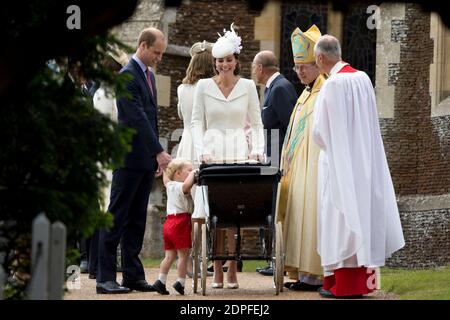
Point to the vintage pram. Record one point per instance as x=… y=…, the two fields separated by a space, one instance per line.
x=241 y=196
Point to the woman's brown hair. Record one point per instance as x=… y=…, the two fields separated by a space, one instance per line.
x=201 y=66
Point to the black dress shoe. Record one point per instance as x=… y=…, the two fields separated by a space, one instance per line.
x=260 y=268
x=92 y=275
x=288 y=285
x=268 y=271
x=302 y=286
x=326 y=293
x=110 y=287
x=160 y=287
x=179 y=287
x=140 y=285
x=84 y=267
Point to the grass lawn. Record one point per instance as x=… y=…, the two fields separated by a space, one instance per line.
x=423 y=284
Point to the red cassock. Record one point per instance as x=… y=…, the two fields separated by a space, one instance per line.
x=350 y=281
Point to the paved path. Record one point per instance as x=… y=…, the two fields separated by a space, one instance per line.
x=253 y=286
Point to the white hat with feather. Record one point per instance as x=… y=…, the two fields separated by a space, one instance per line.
x=228 y=44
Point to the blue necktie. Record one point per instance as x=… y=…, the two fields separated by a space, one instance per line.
x=266 y=93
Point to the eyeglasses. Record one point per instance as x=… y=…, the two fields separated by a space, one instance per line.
x=301 y=67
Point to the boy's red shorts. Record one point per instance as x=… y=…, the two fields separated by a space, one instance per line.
x=177 y=232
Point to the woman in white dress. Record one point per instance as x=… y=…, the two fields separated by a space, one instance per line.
x=200 y=67
x=222 y=105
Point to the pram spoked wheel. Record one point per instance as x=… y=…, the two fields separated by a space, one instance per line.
x=204 y=266
x=199 y=254
x=196 y=247
x=278 y=259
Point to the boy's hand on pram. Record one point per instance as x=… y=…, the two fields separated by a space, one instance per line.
x=195 y=173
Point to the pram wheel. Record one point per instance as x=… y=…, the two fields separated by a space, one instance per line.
x=204 y=266
x=278 y=272
x=196 y=245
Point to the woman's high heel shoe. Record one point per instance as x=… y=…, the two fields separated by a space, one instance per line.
x=217 y=285
x=232 y=285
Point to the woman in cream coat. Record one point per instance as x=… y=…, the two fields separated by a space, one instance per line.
x=220 y=110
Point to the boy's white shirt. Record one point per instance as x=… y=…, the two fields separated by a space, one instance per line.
x=177 y=201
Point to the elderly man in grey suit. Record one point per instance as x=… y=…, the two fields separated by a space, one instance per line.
x=279 y=101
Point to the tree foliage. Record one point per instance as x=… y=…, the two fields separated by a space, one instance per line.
x=54 y=147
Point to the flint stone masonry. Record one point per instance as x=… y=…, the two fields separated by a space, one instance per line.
x=416 y=144
x=148 y=14
x=417 y=147
x=393 y=69
x=427 y=235
x=399 y=30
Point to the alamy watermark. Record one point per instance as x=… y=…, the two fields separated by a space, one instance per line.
x=73 y=282
x=373 y=278
x=374 y=20
x=74 y=19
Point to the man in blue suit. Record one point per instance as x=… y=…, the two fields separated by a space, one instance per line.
x=279 y=101
x=132 y=183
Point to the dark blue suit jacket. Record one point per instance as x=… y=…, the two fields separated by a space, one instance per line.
x=140 y=113
x=277 y=109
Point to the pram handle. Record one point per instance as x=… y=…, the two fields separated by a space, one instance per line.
x=241 y=170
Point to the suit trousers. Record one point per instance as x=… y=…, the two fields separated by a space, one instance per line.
x=93 y=253
x=130 y=192
x=85 y=244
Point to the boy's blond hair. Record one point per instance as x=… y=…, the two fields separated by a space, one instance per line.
x=174 y=165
